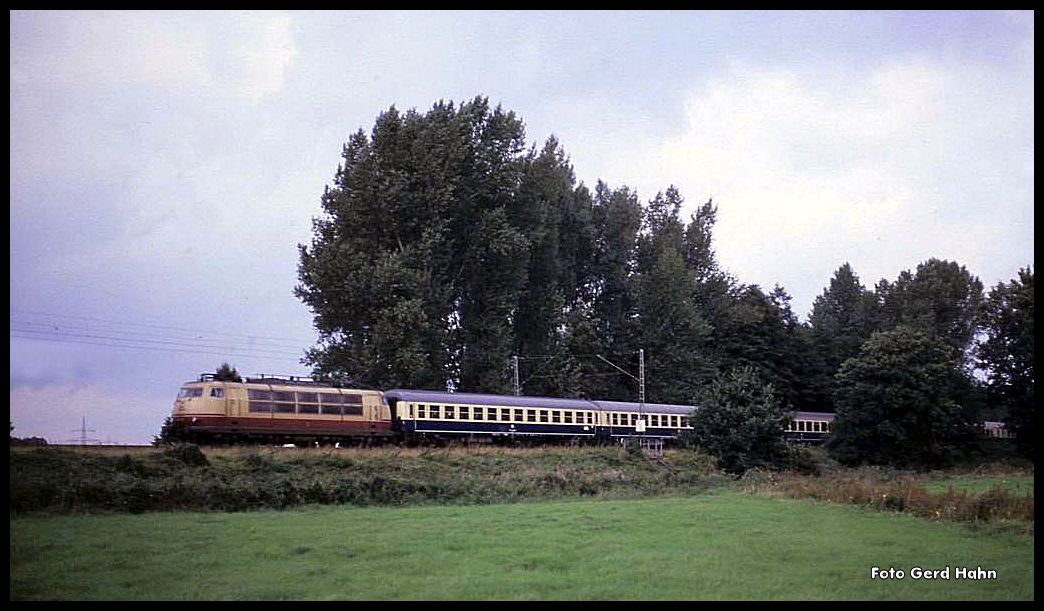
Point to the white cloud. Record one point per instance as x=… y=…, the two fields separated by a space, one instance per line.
x=249 y=53
x=880 y=170
x=244 y=54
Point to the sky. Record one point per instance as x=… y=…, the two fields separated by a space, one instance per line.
x=165 y=166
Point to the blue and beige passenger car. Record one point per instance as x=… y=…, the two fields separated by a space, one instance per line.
x=810 y=426
x=437 y=414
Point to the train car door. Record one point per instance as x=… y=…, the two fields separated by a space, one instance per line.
x=235 y=405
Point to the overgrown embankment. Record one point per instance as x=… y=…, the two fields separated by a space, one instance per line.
x=183 y=478
x=972 y=498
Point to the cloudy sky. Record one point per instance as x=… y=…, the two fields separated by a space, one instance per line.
x=165 y=165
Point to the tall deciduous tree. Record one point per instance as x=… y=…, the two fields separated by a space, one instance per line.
x=756 y=331
x=494 y=275
x=671 y=331
x=400 y=270
x=842 y=318
x=1006 y=354
x=616 y=221
x=941 y=298
x=543 y=209
x=900 y=402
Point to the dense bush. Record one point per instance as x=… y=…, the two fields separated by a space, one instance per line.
x=741 y=422
x=903 y=402
x=182 y=477
x=188 y=453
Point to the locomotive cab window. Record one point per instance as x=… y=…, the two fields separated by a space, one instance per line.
x=217 y=393
x=188 y=393
x=352 y=405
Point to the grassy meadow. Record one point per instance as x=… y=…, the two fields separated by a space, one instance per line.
x=499 y=524
x=714 y=546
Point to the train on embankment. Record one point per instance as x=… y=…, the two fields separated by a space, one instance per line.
x=305 y=412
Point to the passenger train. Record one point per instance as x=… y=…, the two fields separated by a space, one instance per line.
x=294 y=410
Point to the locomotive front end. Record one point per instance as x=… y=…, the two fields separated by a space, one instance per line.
x=200 y=408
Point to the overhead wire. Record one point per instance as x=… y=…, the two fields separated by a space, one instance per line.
x=32 y=313
x=208 y=351
x=33 y=325
x=186 y=342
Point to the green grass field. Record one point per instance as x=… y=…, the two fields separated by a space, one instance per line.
x=726 y=545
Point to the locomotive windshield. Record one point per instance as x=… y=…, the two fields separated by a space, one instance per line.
x=188 y=393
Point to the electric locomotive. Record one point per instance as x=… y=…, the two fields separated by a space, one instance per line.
x=270 y=409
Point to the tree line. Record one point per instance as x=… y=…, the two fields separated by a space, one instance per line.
x=447 y=246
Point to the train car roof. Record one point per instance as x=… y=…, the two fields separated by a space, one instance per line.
x=287 y=385
x=436 y=396
x=626 y=406
x=814 y=416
